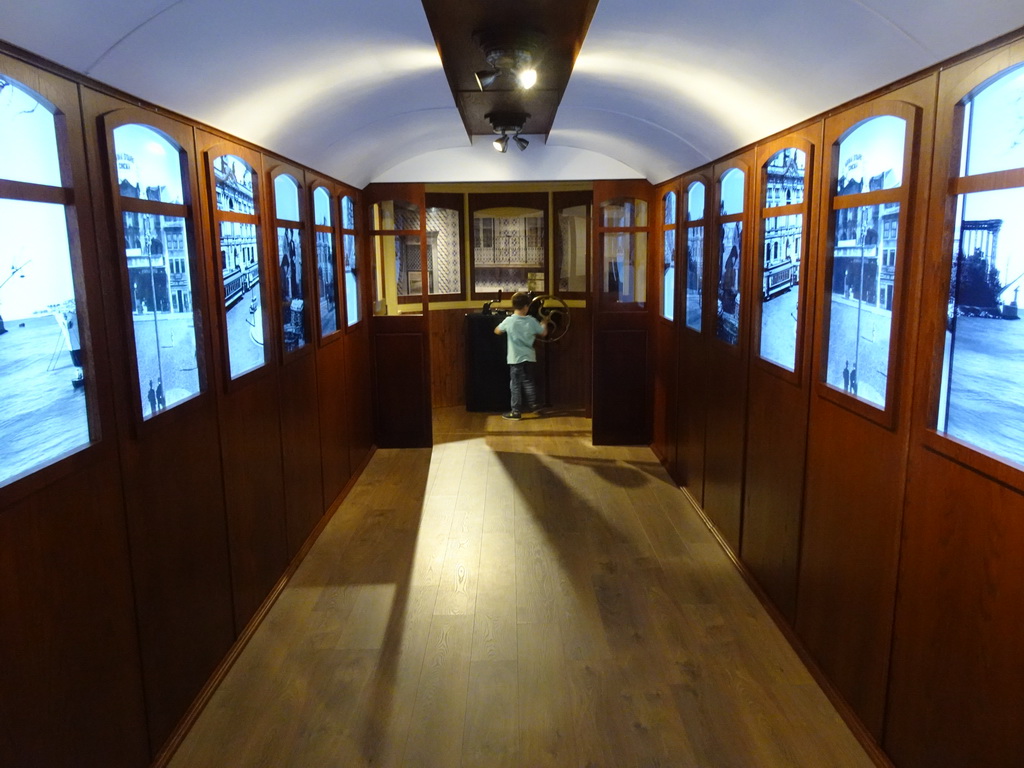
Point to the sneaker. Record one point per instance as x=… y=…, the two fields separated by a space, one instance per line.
x=512 y=416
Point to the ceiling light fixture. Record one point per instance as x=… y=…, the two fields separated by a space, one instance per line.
x=507 y=123
x=510 y=56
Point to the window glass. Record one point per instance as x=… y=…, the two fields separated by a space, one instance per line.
x=727 y=325
x=625 y=267
x=348 y=213
x=408 y=273
x=509 y=250
x=148 y=165
x=28 y=137
x=234 y=185
x=863 y=288
x=241 y=269
x=994 y=126
x=396 y=215
x=444 y=251
x=732 y=192
x=321 y=207
x=159 y=270
x=327 y=285
x=286 y=198
x=624 y=212
x=668 y=261
x=43 y=409
x=293 y=315
x=871 y=156
x=694 y=276
x=352 y=294
x=780 y=294
x=574 y=241
x=695 y=201
x=785 y=178
x=981 y=398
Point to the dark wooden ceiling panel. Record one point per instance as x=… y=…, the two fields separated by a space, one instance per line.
x=459 y=25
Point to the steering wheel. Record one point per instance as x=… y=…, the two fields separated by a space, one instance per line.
x=557 y=313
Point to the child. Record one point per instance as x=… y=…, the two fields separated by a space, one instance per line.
x=521 y=329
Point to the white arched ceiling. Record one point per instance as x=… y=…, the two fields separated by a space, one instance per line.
x=356 y=89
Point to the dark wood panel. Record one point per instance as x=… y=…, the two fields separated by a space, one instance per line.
x=254 y=492
x=180 y=564
x=448 y=357
x=171 y=469
x=664 y=401
x=773 y=497
x=621 y=397
x=857 y=460
x=400 y=364
x=568 y=362
x=691 y=406
x=359 y=378
x=335 y=421
x=955 y=695
x=300 y=446
x=725 y=441
x=72 y=678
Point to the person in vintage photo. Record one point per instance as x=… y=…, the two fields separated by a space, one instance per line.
x=521 y=330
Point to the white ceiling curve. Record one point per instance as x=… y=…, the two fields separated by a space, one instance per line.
x=356 y=90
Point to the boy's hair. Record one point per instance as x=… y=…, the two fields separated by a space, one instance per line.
x=520 y=300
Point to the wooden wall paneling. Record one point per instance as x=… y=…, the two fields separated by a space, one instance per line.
x=359 y=385
x=72 y=685
x=299 y=398
x=72 y=691
x=621 y=366
x=779 y=400
x=400 y=347
x=332 y=391
x=250 y=429
x=727 y=373
x=691 y=372
x=664 y=334
x=171 y=474
x=568 y=361
x=448 y=357
x=956 y=677
x=857 y=455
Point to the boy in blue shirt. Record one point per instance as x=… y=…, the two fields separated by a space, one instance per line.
x=522 y=330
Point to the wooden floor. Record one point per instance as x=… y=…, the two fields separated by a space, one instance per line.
x=517 y=597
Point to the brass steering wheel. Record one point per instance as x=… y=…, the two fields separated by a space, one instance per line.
x=557 y=313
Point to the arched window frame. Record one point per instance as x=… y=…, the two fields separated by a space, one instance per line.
x=720 y=220
x=349 y=244
x=693 y=229
x=956 y=88
x=304 y=345
x=258 y=289
x=179 y=136
x=669 y=199
x=329 y=229
x=832 y=204
x=769 y=208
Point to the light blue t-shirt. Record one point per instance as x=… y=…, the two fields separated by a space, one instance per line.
x=521 y=331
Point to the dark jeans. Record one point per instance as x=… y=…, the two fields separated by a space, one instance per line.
x=521 y=383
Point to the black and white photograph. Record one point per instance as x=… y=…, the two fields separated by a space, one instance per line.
x=328 y=283
x=694 y=276
x=864 y=258
x=352 y=295
x=241 y=269
x=293 y=314
x=780 y=258
x=981 y=400
x=668 y=258
x=727 y=325
x=159 y=270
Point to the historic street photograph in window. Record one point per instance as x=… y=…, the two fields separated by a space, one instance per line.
x=159 y=270
x=695 y=199
x=241 y=271
x=43 y=414
x=982 y=395
x=780 y=259
x=293 y=315
x=727 y=326
x=864 y=258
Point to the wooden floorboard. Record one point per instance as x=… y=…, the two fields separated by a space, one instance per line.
x=517 y=597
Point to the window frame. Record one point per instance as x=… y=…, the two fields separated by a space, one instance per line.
x=955 y=88
x=302 y=225
x=661 y=193
x=764 y=212
x=360 y=261
x=454 y=202
x=709 y=322
x=830 y=204
x=686 y=183
x=487 y=200
x=333 y=229
x=182 y=136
